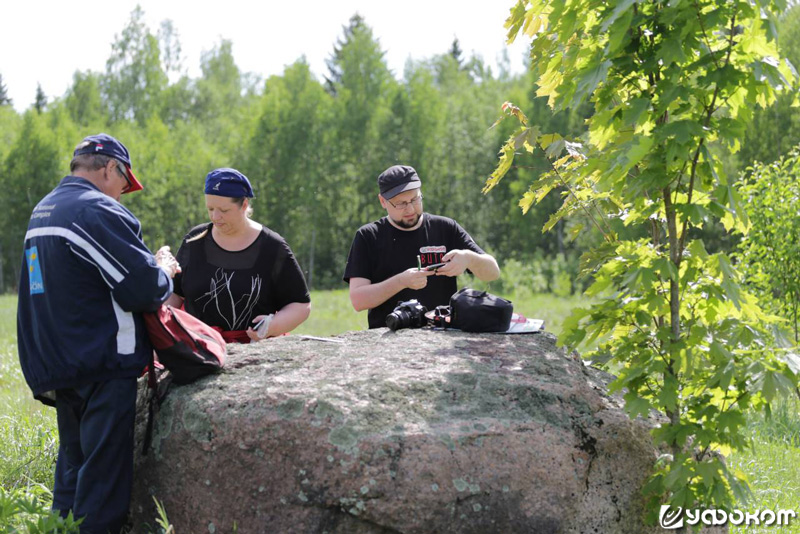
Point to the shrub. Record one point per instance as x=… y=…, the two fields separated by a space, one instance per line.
x=770 y=251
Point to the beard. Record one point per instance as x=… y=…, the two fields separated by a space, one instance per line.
x=403 y=224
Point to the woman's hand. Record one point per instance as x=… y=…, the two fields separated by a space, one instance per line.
x=260 y=328
x=284 y=320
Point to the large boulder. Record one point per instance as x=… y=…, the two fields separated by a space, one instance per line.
x=415 y=431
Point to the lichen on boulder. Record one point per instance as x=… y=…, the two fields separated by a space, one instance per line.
x=413 y=431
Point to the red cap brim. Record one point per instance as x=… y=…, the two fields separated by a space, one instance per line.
x=135 y=184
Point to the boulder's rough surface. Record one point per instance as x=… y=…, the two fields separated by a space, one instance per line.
x=417 y=431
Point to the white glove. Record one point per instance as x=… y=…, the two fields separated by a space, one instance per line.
x=262 y=327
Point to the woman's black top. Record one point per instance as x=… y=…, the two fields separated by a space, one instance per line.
x=228 y=289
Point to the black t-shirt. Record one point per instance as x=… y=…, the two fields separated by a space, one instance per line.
x=380 y=251
x=228 y=289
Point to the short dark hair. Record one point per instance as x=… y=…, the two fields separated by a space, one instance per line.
x=90 y=162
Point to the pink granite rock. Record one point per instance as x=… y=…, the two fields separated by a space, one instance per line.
x=416 y=431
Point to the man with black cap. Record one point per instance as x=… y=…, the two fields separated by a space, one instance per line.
x=86 y=276
x=388 y=257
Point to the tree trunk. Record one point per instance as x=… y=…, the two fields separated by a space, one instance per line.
x=674 y=299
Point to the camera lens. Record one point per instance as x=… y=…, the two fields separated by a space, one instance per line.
x=398 y=319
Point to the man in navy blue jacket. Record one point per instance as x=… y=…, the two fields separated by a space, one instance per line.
x=86 y=277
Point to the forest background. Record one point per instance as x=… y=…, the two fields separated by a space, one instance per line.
x=313 y=147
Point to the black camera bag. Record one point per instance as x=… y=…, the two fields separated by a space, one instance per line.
x=479 y=311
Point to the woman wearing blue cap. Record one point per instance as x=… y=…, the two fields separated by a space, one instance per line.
x=238 y=275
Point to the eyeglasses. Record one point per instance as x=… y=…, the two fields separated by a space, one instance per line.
x=403 y=205
x=121 y=170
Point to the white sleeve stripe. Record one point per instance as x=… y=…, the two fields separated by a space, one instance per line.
x=126 y=330
x=138 y=233
x=100 y=247
x=89 y=261
x=102 y=263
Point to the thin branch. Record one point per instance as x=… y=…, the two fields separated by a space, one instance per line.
x=648 y=338
x=650 y=389
x=685 y=230
x=531 y=167
x=565 y=184
x=709 y=114
x=705 y=36
x=723 y=410
x=678 y=184
x=597 y=209
x=703 y=454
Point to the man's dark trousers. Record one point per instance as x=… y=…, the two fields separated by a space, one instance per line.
x=94 y=471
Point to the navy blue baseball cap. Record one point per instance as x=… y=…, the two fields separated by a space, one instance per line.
x=108 y=146
x=398 y=179
x=227 y=182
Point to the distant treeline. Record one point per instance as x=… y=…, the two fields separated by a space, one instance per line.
x=312 y=148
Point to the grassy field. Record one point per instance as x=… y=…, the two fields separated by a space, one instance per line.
x=27 y=429
x=771 y=465
x=332 y=313
x=28 y=437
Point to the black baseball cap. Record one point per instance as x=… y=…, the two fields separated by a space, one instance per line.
x=398 y=179
x=108 y=146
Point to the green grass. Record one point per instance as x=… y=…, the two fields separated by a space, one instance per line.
x=772 y=471
x=332 y=313
x=28 y=437
x=771 y=465
x=14 y=394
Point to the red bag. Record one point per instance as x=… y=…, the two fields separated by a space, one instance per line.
x=185 y=345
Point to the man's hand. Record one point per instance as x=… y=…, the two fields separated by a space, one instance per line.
x=457 y=261
x=167 y=261
x=415 y=279
x=364 y=295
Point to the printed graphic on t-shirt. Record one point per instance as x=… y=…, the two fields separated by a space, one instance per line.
x=430 y=255
x=235 y=313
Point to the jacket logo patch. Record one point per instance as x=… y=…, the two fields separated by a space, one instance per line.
x=34 y=271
